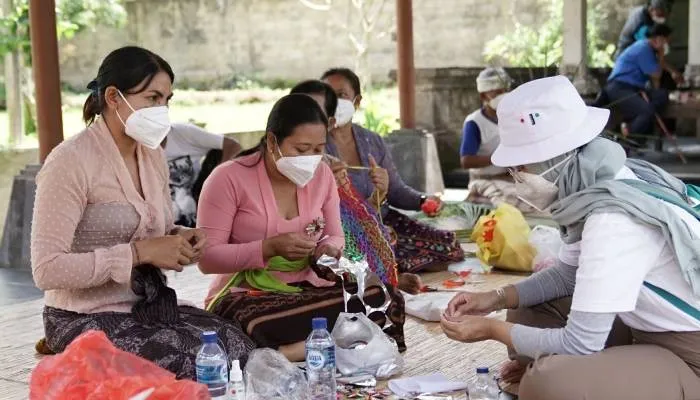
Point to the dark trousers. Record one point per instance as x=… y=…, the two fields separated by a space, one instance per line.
x=636 y=111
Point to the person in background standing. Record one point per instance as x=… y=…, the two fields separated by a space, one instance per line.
x=640 y=20
x=192 y=154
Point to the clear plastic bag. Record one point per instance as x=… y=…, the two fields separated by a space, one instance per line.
x=547 y=242
x=362 y=348
x=270 y=376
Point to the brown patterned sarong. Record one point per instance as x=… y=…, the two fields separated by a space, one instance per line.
x=171 y=346
x=419 y=246
x=276 y=319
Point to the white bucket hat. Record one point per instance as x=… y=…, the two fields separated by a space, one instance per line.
x=543 y=119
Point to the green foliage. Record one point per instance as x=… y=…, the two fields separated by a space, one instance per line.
x=72 y=17
x=378 y=122
x=542 y=46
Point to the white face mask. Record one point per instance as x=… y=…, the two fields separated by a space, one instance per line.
x=667 y=49
x=658 y=20
x=148 y=126
x=536 y=191
x=344 y=112
x=493 y=103
x=299 y=169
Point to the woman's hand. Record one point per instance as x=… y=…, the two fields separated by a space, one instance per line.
x=292 y=246
x=469 y=304
x=379 y=176
x=197 y=238
x=167 y=252
x=340 y=171
x=469 y=329
x=328 y=250
x=435 y=206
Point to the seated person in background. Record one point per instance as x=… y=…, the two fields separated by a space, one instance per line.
x=418 y=246
x=269 y=215
x=185 y=147
x=103 y=231
x=639 y=64
x=360 y=220
x=487 y=183
x=640 y=20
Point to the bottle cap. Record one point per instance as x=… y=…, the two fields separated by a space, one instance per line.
x=236 y=373
x=209 y=337
x=319 y=323
x=482 y=370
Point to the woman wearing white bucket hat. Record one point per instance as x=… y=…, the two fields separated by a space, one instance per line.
x=629 y=271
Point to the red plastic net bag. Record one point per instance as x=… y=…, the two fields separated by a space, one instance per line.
x=92 y=368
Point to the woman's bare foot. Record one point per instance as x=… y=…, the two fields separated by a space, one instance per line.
x=410 y=283
x=294 y=352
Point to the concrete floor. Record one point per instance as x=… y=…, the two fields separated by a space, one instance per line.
x=17 y=286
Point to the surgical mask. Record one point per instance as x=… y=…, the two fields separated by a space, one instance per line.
x=493 y=103
x=299 y=169
x=344 y=112
x=536 y=191
x=658 y=20
x=667 y=49
x=148 y=126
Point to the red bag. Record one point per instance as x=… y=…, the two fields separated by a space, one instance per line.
x=92 y=368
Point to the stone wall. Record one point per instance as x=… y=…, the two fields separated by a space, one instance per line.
x=210 y=42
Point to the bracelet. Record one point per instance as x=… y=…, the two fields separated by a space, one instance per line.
x=502 y=301
x=135 y=251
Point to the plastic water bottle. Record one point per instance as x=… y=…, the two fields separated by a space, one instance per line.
x=484 y=388
x=212 y=365
x=320 y=361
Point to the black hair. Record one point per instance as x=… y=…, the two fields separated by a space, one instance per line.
x=287 y=114
x=662 y=30
x=124 y=68
x=348 y=75
x=314 y=86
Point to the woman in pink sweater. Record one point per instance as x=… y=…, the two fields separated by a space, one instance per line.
x=269 y=215
x=103 y=226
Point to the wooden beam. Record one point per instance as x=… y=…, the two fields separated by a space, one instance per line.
x=406 y=72
x=42 y=22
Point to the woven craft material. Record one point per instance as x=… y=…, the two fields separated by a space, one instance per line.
x=365 y=236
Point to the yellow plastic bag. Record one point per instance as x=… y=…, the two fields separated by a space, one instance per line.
x=502 y=237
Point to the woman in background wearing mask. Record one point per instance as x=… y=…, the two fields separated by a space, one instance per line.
x=103 y=228
x=418 y=246
x=488 y=183
x=619 y=316
x=269 y=215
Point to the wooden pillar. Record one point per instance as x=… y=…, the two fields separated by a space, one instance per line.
x=406 y=72
x=42 y=22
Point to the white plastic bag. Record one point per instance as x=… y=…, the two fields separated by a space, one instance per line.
x=547 y=242
x=362 y=348
x=428 y=306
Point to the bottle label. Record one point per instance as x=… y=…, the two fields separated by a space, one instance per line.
x=318 y=359
x=214 y=376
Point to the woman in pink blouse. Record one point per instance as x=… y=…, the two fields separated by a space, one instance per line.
x=103 y=227
x=268 y=215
